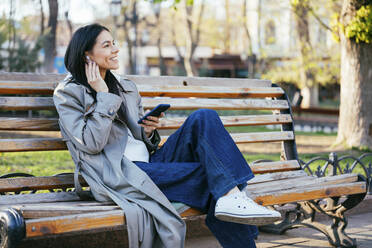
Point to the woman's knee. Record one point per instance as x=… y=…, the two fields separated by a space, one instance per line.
x=205 y=114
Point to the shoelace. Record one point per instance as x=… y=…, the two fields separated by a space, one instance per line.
x=245 y=197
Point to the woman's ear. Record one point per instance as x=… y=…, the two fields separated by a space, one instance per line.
x=87 y=58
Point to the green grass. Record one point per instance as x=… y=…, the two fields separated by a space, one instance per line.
x=36 y=163
x=55 y=162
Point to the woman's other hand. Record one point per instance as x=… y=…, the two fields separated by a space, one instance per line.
x=94 y=77
x=151 y=123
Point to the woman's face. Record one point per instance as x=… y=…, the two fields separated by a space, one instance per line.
x=105 y=52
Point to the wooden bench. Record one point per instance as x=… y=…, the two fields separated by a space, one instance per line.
x=40 y=219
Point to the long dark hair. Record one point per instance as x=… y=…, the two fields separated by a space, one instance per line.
x=82 y=41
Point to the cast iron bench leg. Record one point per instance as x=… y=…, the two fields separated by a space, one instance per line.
x=12 y=228
x=304 y=216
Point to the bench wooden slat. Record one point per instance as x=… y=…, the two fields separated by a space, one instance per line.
x=32 y=144
x=59 y=209
x=50 y=144
x=241 y=138
x=7 y=200
x=277 y=166
x=229 y=121
x=222 y=104
x=206 y=92
x=38 y=183
x=301 y=182
x=268 y=177
x=198 y=81
x=154 y=91
x=24 y=90
x=39 y=103
x=140 y=79
x=71 y=223
x=310 y=193
x=51 y=124
x=26 y=103
x=29 y=124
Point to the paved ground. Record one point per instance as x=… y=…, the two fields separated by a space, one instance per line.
x=360 y=227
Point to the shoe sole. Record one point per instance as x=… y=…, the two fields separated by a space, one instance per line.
x=256 y=220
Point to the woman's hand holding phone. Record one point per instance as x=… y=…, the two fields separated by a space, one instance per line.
x=151 y=123
x=94 y=77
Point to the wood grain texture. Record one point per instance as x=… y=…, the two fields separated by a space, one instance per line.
x=38 y=183
x=51 y=124
x=42 y=103
x=276 y=176
x=9 y=87
x=139 y=79
x=222 y=104
x=29 y=124
x=8 y=200
x=208 y=91
x=50 y=144
x=309 y=193
x=26 y=103
x=269 y=167
x=301 y=182
x=32 y=144
x=198 y=81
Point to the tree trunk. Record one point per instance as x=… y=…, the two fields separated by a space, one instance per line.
x=41 y=18
x=251 y=59
x=310 y=96
x=192 y=37
x=227 y=38
x=69 y=24
x=355 y=121
x=162 y=66
x=181 y=60
x=50 y=41
x=307 y=83
x=189 y=40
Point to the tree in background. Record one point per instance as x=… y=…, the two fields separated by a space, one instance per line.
x=315 y=65
x=355 y=121
x=50 y=38
x=308 y=85
x=251 y=58
x=192 y=35
x=20 y=55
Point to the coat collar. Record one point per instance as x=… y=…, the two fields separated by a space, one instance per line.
x=123 y=83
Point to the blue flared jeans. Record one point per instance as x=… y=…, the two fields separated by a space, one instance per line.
x=199 y=163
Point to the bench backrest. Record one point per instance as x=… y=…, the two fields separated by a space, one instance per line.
x=22 y=92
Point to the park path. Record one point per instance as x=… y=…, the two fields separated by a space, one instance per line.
x=360 y=227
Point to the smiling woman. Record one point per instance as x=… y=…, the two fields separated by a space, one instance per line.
x=120 y=160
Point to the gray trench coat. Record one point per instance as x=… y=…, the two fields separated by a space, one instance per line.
x=96 y=139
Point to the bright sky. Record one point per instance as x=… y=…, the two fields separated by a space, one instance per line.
x=81 y=11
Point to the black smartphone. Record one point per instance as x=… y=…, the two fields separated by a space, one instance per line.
x=155 y=112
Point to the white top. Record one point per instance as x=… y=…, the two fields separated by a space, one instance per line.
x=136 y=149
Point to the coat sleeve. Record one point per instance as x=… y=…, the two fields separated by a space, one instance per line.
x=152 y=143
x=88 y=130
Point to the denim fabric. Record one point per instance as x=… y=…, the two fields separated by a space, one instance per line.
x=198 y=164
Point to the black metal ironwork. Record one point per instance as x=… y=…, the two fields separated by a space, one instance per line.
x=303 y=215
x=12 y=228
x=332 y=166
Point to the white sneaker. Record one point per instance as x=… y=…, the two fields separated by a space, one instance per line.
x=239 y=208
